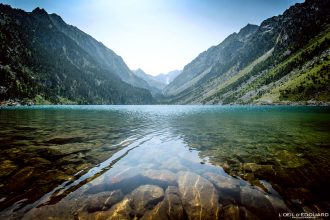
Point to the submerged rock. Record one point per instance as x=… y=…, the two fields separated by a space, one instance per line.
x=97 y=181
x=120 y=211
x=228 y=187
x=57 y=175
x=222 y=182
x=161 y=175
x=135 y=205
x=65 y=209
x=37 y=161
x=257 y=202
x=253 y=173
x=253 y=167
x=145 y=197
x=65 y=140
x=7 y=167
x=174 y=165
x=300 y=195
x=198 y=196
x=102 y=201
x=126 y=173
x=235 y=212
x=20 y=179
x=169 y=209
x=130 y=178
x=120 y=180
x=89 y=207
x=289 y=159
x=278 y=204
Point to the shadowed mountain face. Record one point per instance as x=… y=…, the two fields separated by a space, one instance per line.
x=286 y=58
x=159 y=82
x=106 y=57
x=156 y=86
x=45 y=60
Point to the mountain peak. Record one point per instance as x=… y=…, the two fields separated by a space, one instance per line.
x=39 y=11
x=248 y=30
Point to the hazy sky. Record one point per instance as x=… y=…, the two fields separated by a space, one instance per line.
x=159 y=35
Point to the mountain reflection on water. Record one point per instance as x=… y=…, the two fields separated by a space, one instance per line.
x=163 y=162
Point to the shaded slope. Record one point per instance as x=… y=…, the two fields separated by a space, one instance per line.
x=103 y=55
x=38 y=61
x=155 y=86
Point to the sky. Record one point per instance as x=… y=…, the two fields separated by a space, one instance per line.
x=159 y=35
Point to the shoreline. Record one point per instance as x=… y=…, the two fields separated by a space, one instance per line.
x=16 y=103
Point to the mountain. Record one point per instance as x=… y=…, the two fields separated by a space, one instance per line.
x=284 y=60
x=225 y=53
x=106 y=57
x=167 y=78
x=44 y=60
x=155 y=86
x=157 y=83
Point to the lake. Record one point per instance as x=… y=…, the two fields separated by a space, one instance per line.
x=163 y=162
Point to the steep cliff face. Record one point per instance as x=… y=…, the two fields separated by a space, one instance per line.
x=103 y=55
x=44 y=60
x=167 y=78
x=156 y=87
x=157 y=83
x=249 y=66
x=218 y=55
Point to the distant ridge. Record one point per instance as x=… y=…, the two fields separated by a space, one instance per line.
x=167 y=78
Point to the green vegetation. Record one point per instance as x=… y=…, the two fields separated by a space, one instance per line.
x=313 y=84
x=241 y=70
x=293 y=62
x=39 y=100
x=271 y=70
x=41 y=64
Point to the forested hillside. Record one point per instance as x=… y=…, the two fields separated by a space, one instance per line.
x=39 y=63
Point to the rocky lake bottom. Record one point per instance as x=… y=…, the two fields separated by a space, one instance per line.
x=163 y=162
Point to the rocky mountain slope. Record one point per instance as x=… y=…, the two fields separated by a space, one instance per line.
x=285 y=59
x=106 y=57
x=155 y=86
x=157 y=83
x=167 y=78
x=44 y=60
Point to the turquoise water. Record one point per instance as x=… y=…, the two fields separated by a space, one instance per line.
x=127 y=162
